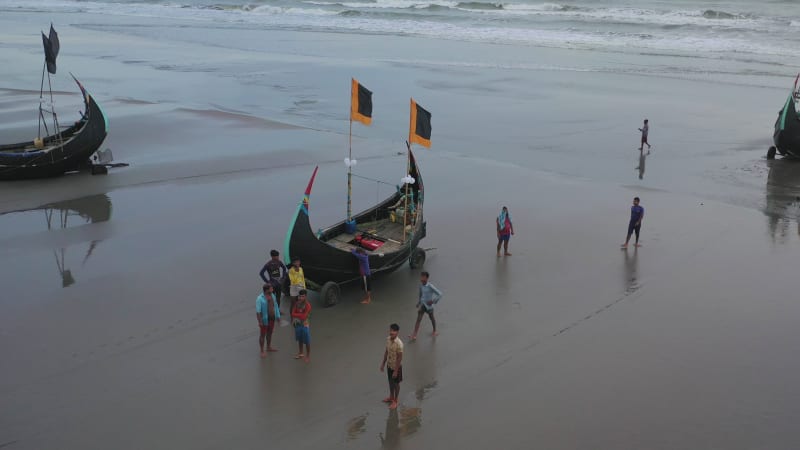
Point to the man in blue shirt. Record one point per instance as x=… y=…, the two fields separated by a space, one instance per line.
x=429 y=296
x=635 y=224
x=363 y=268
x=267 y=312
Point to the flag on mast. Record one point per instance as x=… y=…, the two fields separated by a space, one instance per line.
x=51 y=48
x=360 y=103
x=420 y=129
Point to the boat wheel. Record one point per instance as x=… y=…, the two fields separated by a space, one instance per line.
x=417 y=258
x=771 y=152
x=330 y=293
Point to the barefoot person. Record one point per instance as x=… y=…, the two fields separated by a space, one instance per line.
x=635 y=224
x=645 y=130
x=363 y=267
x=429 y=296
x=505 y=229
x=275 y=273
x=267 y=312
x=297 y=280
x=393 y=361
x=302 y=333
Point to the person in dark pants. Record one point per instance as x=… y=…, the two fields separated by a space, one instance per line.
x=274 y=272
x=393 y=361
x=645 y=131
x=366 y=273
x=635 y=224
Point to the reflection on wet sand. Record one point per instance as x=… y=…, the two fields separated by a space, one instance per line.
x=356 y=427
x=783 y=200
x=642 y=160
x=92 y=209
x=631 y=283
x=400 y=423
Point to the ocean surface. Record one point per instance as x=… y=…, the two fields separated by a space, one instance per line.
x=765 y=31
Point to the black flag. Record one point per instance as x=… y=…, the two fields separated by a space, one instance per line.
x=51 y=48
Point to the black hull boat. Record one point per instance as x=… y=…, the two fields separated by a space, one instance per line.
x=326 y=255
x=53 y=155
x=786 y=138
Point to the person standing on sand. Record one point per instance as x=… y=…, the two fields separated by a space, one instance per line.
x=297 y=280
x=301 y=311
x=635 y=224
x=363 y=267
x=393 y=361
x=429 y=296
x=267 y=312
x=645 y=130
x=505 y=229
x=277 y=272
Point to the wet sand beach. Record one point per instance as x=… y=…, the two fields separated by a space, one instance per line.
x=127 y=300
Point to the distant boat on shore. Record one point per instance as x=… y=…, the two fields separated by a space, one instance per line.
x=787 y=128
x=59 y=151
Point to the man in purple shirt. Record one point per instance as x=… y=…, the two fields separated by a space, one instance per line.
x=635 y=224
x=363 y=267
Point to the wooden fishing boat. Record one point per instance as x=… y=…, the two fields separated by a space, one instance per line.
x=787 y=127
x=60 y=152
x=396 y=226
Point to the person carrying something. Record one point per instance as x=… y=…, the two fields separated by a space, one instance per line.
x=505 y=229
x=267 y=312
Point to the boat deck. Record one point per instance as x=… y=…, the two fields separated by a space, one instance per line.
x=385 y=230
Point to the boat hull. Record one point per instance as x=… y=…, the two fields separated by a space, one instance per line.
x=787 y=130
x=71 y=151
x=323 y=262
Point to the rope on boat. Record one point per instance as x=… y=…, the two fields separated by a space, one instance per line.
x=375 y=180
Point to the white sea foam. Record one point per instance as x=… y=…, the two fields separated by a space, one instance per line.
x=587 y=27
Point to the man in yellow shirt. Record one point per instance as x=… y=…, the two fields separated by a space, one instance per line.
x=297 y=280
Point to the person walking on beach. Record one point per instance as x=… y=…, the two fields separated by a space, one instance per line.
x=297 y=280
x=505 y=229
x=393 y=361
x=267 y=312
x=301 y=311
x=645 y=130
x=363 y=267
x=635 y=224
x=429 y=296
x=275 y=273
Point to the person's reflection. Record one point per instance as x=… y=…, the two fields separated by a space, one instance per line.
x=631 y=283
x=390 y=438
x=642 y=160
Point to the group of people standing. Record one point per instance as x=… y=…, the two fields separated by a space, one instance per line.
x=278 y=279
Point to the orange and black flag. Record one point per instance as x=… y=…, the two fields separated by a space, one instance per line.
x=360 y=103
x=420 y=129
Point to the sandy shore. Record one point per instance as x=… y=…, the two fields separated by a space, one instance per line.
x=687 y=342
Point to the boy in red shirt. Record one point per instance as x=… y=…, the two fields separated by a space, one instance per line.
x=300 y=313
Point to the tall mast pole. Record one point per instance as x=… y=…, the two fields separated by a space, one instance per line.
x=350 y=172
x=408 y=169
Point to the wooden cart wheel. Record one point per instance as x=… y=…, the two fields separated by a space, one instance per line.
x=417 y=259
x=330 y=293
x=771 y=152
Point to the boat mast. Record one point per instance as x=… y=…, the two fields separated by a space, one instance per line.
x=408 y=169
x=350 y=172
